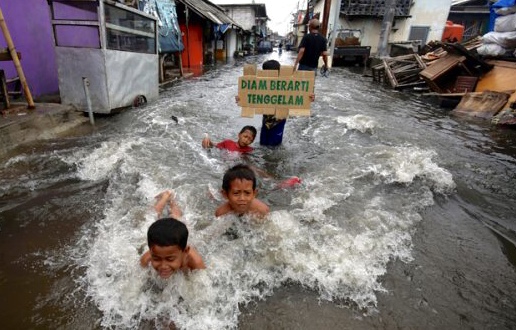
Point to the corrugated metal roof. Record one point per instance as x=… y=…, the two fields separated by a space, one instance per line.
x=209 y=11
x=460 y=2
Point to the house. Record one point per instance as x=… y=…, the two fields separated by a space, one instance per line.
x=33 y=39
x=418 y=21
x=208 y=33
x=251 y=17
x=300 y=27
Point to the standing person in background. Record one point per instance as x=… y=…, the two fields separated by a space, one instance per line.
x=271 y=133
x=312 y=46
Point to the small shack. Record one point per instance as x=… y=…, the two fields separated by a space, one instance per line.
x=111 y=45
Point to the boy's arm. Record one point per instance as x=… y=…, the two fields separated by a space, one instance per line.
x=207 y=143
x=223 y=209
x=145 y=259
x=162 y=200
x=195 y=260
x=259 y=207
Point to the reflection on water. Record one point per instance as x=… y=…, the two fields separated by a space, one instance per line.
x=374 y=163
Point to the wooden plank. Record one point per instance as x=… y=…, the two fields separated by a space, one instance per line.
x=250 y=70
x=299 y=112
x=247 y=112
x=391 y=77
x=282 y=113
x=267 y=73
x=504 y=64
x=485 y=105
x=286 y=70
x=441 y=66
x=5 y=93
x=6 y=56
x=420 y=61
x=498 y=79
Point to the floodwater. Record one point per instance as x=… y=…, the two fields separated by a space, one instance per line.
x=404 y=218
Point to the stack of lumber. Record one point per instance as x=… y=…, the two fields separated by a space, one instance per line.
x=400 y=72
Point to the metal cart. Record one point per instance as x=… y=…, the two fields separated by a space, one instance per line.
x=106 y=53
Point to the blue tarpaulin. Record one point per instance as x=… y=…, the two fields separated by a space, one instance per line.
x=169 y=34
x=497 y=5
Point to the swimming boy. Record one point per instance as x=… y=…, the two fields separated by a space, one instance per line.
x=239 y=189
x=168 y=250
x=243 y=144
x=167 y=239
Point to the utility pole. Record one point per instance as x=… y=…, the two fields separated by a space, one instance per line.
x=325 y=18
x=334 y=32
x=388 y=18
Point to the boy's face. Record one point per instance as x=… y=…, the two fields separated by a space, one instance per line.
x=167 y=259
x=240 y=195
x=245 y=138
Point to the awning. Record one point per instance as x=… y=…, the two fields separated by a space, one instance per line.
x=211 y=12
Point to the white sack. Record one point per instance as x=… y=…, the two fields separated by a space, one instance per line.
x=504 y=39
x=506 y=11
x=505 y=23
x=491 y=50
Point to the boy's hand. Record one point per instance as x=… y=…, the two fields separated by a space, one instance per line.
x=206 y=143
x=237 y=99
x=312 y=97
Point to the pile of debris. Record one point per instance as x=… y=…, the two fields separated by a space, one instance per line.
x=457 y=76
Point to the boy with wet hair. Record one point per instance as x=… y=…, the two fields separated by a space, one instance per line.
x=242 y=145
x=239 y=189
x=168 y=250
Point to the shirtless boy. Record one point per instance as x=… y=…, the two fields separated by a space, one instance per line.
x=239 y=189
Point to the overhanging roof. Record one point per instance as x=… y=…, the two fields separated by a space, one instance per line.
x=210 y=11
x=260 y=10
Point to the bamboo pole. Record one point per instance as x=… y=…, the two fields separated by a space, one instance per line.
x=16 y=61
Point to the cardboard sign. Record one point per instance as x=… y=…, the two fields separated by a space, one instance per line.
x=284 y=93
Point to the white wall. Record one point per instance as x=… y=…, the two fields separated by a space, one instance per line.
x=244 y=16
x=231 y=42
x=424 y=13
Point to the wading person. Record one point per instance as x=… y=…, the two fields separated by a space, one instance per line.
x=312 y=46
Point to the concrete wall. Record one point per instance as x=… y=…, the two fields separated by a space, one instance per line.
x=244 y=16
x=424 y=13
x=231 y=42
x=29 y=24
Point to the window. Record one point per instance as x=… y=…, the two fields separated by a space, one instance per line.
x=419 y=33
x=129 y=31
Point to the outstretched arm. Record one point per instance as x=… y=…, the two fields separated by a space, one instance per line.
x=207 y=143
x=145 y=259
x=325 y=58
x=164 y=198
x=299 y=57
x=195 y=260
x=223 y=209
x=161 y=201
x=259 y=208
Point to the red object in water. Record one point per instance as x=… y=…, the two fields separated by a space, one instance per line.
x=291 y=182
x=453 y=32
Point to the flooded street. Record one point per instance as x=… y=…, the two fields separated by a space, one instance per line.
x=404 y=219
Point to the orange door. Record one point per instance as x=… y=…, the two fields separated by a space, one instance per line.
x=192 y=39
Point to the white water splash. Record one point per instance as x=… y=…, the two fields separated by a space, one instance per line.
x=360 y=123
